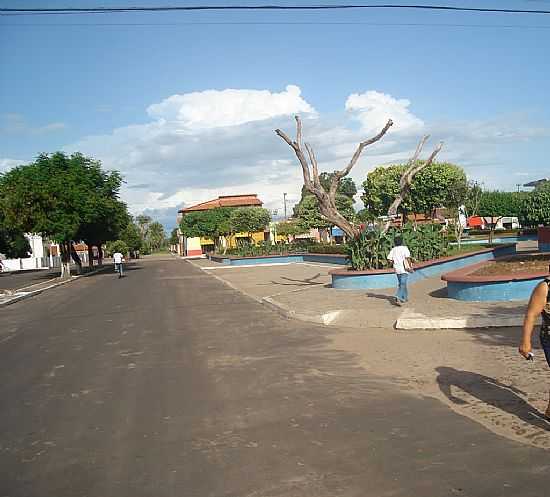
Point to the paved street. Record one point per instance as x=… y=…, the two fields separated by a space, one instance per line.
x=169 y=383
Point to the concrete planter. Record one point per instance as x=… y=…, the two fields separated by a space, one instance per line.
x=279 y=259
x=385 y=278
x=464 y=285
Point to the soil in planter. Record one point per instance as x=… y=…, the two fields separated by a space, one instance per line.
x=516 y=265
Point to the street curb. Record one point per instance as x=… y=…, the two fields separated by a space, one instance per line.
x=22 y=295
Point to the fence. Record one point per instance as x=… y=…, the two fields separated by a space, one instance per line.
x=33 y=263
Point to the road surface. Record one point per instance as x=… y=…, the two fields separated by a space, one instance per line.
x=169 y=383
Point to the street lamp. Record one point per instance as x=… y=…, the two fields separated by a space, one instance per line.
x=284 y=199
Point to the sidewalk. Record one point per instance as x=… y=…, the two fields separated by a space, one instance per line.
x=303 y=291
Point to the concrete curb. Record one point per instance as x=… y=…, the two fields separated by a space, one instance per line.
x=414 y=321
x=19 y=295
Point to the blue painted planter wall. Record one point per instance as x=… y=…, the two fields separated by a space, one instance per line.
x=284 y=259
x=389 y=280
x=493 y=291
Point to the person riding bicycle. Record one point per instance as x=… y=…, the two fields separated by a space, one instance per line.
x=118 y=258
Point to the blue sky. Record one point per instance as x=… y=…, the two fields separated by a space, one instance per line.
x=87 y=82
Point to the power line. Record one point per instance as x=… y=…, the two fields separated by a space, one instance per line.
x=281 y=23
x=105 y=10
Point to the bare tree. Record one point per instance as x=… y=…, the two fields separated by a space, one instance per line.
x=327 y=199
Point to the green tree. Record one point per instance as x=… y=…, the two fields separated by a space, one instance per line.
x=346 y=187
x=58 y=196
x=289 y=228
x=497 y=204
x=13 y=243
x=117 y=246
x=131 y=236
x=211 y=223
x=249 y=220
x=174 y=239
x=432 y=187
x=309 y=215
x=535 y=207
x=156 y=236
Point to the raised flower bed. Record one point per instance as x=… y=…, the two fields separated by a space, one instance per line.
x=504 y=279
x=385 y=278
x=279 y=259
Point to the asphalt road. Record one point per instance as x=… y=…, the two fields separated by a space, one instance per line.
x=168 y=383
x=14 y=280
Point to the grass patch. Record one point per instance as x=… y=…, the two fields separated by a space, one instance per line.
x=466 y=249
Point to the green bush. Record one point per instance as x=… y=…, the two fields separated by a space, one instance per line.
x=371 y=248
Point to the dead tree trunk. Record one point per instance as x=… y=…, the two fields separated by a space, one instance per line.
x=414 y=166
x=312 y=183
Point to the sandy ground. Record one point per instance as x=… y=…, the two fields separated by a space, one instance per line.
x=477 y=373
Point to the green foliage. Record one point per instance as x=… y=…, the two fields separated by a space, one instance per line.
x=371 y=248
x=117 y=246
x=289 y=228
x=174 y=239
x=435 y=186
x=64 y=198
x=156 y=236
x=309 y=216
x=211 y=223
x=13 y=243
x=499 y=204
x=249 y=219
x=346 y=187
x=535 y=208
x=247 y=249
x=131 y=236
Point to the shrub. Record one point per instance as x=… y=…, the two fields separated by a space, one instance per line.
x=370 y=249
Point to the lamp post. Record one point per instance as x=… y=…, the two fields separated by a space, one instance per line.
x=284 y=200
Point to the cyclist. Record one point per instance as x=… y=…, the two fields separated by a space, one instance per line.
x=119 y=259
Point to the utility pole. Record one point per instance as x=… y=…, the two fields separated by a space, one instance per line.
x=284 y=199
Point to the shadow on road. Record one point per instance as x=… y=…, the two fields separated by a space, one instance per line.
x=489 y=391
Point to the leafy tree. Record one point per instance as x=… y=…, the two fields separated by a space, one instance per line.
x=174 y=239
x=497 y=204
x=211 y=223
x=131 y=236
x=432 y=187
x=289 y=228
x=62 y=197
x=249 y=220
x=535 y=207
x=143 y=223
x=346 y=187
x=117 y=246
x=309 y=215
x=156 y=236
x=13 y=243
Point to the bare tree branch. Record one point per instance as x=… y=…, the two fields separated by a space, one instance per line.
x=314 y=167
x=338 y=175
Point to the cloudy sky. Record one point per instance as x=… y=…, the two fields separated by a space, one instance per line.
x=185 y=104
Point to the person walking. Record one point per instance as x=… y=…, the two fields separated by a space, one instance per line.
x=539 y=304
x=400 y=257
x=118 y=258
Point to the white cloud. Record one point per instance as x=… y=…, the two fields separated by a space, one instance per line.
x=213 y=108
x=204 y=144
x=6 y=164
x=373 y=109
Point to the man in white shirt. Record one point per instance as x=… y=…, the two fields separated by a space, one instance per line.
x=400 y=257
x=118 y=258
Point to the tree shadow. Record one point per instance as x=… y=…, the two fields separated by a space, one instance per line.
x=491 y=392
x=299 y=282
